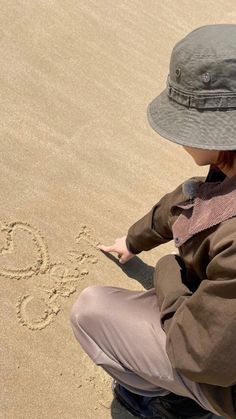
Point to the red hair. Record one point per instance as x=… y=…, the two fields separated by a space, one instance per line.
x=226 y=158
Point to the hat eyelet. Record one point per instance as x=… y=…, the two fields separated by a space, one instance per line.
x=206 y=77
x=178 y=73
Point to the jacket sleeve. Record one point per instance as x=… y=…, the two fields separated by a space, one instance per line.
x=155 y=227
x=200 y=326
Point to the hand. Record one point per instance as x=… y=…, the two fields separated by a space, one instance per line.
x=119 y=247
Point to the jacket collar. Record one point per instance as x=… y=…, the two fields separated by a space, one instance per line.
x=207 y=204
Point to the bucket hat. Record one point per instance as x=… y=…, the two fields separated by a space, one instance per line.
x=198 y=106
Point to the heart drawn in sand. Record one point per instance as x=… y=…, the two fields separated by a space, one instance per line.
x=23 y=252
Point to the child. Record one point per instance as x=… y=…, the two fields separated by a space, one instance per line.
x=171 y=349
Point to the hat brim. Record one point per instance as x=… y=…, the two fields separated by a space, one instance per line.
x=205 y=129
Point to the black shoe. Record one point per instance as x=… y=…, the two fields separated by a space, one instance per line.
x=139 y=406
x=170 y=406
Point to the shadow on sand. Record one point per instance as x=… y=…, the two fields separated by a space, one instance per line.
x=135 y=269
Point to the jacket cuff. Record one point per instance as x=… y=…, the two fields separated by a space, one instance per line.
x=130 y=247
x=142 y=236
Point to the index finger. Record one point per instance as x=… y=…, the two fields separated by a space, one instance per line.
x=107 y=248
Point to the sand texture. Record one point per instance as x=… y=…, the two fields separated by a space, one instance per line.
x=79 y=165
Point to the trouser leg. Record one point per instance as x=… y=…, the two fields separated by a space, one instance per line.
x=120 y=330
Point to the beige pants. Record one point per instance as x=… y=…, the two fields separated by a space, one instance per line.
x=120 y=330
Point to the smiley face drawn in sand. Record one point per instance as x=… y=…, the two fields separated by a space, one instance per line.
x=39 y=308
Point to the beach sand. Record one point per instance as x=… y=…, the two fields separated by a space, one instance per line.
x=79 y=165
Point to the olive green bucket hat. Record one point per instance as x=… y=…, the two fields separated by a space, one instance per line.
x=198 y=106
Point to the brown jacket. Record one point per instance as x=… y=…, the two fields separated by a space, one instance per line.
x=196 y=290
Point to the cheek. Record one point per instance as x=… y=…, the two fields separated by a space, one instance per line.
x=205 y=158
x=201 y=160
x=214 y=157
x=202 y=157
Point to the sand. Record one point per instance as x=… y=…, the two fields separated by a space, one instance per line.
x=79 y=165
